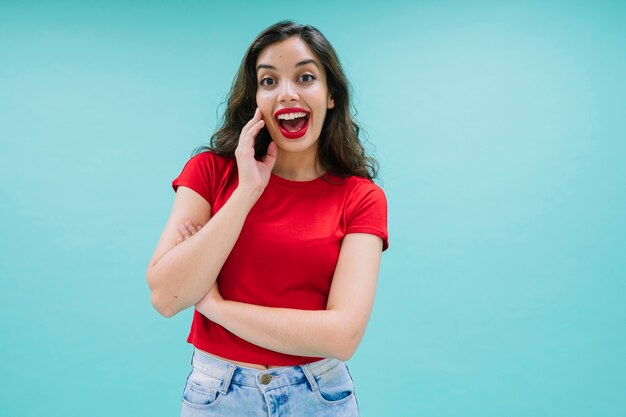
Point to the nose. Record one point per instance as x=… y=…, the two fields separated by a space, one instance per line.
x=288 y=92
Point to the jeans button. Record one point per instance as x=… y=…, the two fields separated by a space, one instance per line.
x=266 y=379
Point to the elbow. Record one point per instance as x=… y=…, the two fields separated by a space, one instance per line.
x=344 y=356
x=165 y=309
x=346 y=351
x=345 y=335
x=346 y=346
x=158 y=299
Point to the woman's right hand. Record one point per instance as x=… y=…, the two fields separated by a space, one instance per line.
x=178 y=277
x=254 y=175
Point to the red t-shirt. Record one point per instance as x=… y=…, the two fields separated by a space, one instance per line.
x=288 y=248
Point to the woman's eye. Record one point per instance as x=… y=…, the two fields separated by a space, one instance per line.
x=266 y=81
x=307 y=78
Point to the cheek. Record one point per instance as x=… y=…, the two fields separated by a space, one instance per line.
x=321 y=96
x=265 y=104
x=321 y=116
x=264 y=99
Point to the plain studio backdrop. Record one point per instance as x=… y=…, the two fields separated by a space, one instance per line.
x=500 y=131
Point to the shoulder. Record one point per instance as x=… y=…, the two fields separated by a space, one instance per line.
x=366 y=208
x=208 y=164
x=210 y=158
x=359 y=188
x=361 y=195
x=204 y=172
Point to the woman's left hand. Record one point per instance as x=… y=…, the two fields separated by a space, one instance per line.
x=209 y=305
x=187 y=230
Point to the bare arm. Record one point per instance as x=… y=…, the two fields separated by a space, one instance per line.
x=179 y=275
x=334 y=332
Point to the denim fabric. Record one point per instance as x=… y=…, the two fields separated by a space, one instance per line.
x=218 y=388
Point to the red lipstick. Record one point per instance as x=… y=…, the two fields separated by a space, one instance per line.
x=302 y=128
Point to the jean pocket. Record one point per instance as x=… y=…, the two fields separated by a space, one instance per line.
x=335 y=386
x=202 y=390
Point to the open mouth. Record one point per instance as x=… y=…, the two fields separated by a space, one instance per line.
x=293 y=123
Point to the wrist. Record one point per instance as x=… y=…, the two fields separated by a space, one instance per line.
x=209 y=307
x=219 y=311
x=247 y=195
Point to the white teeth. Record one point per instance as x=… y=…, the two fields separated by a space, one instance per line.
x=291 y=116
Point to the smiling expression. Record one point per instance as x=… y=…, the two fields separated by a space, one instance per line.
x=292 y=94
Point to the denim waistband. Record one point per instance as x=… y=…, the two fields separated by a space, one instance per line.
x=281 y=376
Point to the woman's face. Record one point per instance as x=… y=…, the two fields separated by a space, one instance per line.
x=292 y=94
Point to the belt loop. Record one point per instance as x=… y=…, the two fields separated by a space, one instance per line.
x=227 y=378
x=309 y=377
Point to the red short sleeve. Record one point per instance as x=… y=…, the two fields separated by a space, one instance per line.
x=368 y=212
x=198 y=174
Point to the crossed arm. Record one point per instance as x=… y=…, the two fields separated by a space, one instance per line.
x=334 y=332
x=179 y=277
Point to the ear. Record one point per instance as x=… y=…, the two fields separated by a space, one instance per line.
x=331 y=102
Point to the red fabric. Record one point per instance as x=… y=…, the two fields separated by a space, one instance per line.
x=286 y=253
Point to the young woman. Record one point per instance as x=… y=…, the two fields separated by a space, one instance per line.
x=275 y=237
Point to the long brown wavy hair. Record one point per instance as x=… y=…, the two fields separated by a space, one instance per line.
x=340 y=149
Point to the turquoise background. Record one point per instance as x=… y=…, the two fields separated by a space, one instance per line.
x=501 y=135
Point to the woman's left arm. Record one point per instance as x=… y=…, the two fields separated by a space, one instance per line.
x=335 y=332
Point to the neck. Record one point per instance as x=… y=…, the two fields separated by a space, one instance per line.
x=297 y=166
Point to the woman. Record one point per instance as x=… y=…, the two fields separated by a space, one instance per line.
x=275 y=237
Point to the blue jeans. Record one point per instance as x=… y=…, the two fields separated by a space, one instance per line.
x=218 y=388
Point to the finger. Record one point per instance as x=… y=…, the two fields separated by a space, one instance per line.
x=255 y=118
x=258 y=126
x=183 y=231
x=245 y=147
x=190 y=226
x=179 y=240
x=252 y=122
x=254 y=131
x=250 y=137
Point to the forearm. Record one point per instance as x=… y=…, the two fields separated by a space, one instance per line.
x=334 y=332
x=184 y=274
x=319 y=333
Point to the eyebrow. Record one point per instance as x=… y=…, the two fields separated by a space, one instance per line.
x=299 y=64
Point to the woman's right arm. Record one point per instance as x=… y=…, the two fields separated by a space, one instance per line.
x=181 y=275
